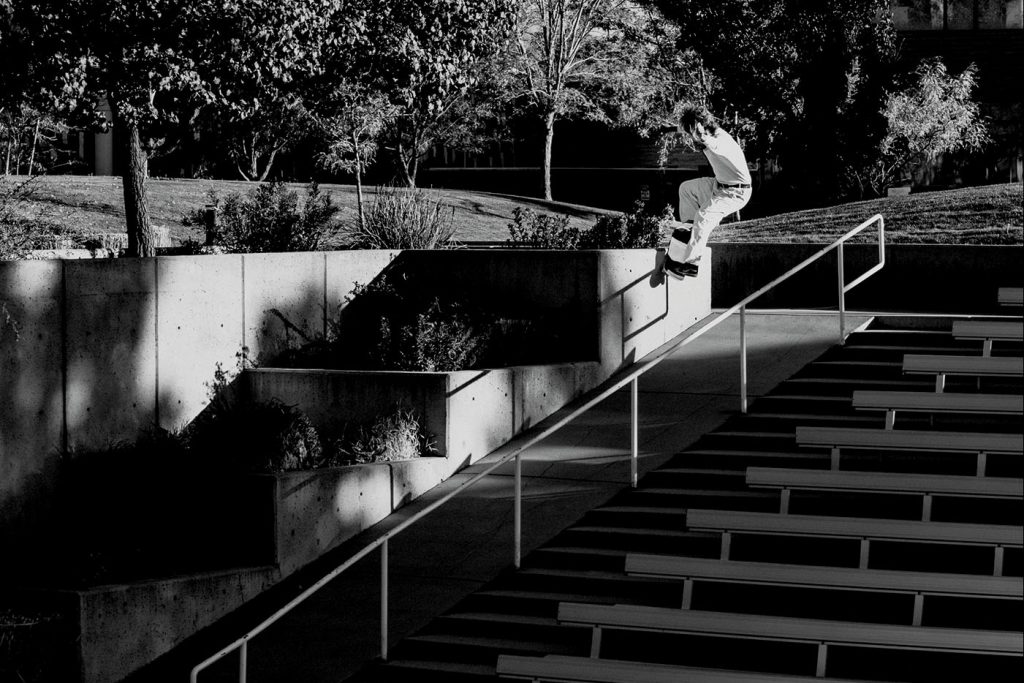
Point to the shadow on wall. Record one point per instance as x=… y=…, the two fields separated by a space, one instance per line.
x=441 y=311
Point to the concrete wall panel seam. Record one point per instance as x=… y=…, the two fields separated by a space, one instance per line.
x=156 y=342
x=63 y=307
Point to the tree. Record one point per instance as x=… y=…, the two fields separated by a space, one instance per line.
x=799 y=70
x=357 y=118
x=254 y=140
x=429 y=57
x=933 y=117
x=24 y=130
x=146 y=57
x=596 y=59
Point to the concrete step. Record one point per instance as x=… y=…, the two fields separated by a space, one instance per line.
x=562 y=554
x=638 y=539
x=845 y=386
x=500 y=624
x=810 y=403
x=671 y=497
x=428 y=671
x=757 y=419
x=603 y=585
x=739 y=459
x=482 y=649
x=536 y=602
x=515 y=614
x=843 y=369
x=856 y=605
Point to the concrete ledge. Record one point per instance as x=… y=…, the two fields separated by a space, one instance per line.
x=123 y=627
x=918 y=278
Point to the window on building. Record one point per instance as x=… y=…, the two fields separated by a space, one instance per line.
x=957 y=15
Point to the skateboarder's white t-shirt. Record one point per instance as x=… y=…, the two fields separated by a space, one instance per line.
x=726 y=159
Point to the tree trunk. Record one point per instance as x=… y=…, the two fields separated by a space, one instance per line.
x=359 y=183
x=32 y=156
x=141 y=241
x=403 y=168
x=549 y=136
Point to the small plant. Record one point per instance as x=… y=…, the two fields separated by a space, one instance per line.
x=638 y=229
x=270 y=218
x=393 y=436
x=393 y=325
x=403 y=218
x=541 y=231
x=440 y=339
x=27 y=640
x=255 y=436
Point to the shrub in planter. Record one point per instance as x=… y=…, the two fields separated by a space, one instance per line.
x=396 y=323
x=118 y=509
x=637 y=229
x=35 y=646
x=255 y=436
x=394 y=436
x=541 y=231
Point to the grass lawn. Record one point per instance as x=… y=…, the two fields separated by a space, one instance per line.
x=990 y=214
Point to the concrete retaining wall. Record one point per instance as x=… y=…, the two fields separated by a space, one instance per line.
x=99 y=350
x=920 y=278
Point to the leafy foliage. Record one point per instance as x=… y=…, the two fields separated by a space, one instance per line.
x=541 y=231
x=403 y=218
x=156 y=62
x=797 y=79
x=256 y=436
x=637 y=229
x=430 y=55
x=604 y=60
x=935 y=116
x=394 y=327
x=270 y=218
x=393 y=436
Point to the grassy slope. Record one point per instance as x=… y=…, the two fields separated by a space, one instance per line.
x=980 y=215
x=95 y=204
x=991 y=214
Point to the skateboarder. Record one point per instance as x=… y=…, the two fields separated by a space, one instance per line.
x=704 y=202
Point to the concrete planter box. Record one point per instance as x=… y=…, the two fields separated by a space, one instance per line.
x=316 y=510
x=468 y=413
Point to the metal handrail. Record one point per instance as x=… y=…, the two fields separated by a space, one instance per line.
x=550 y=425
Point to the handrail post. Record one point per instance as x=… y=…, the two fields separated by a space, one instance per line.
x=243 y=661
x=634 y=430
x=842 y=294
x=517 y=552
x=384 y=600
x=743 y=359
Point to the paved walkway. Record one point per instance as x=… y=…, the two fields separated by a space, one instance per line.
x=469 y=541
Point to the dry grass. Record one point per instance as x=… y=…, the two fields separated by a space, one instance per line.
x=95 y=204
x=989 y=214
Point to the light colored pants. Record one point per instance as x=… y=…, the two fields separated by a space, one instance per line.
x=703 y=203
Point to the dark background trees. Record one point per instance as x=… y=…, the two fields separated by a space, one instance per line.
x=804 y=76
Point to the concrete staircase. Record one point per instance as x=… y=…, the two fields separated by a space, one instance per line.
x=517 y=614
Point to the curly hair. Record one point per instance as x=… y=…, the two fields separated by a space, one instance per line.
x=693 y=114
